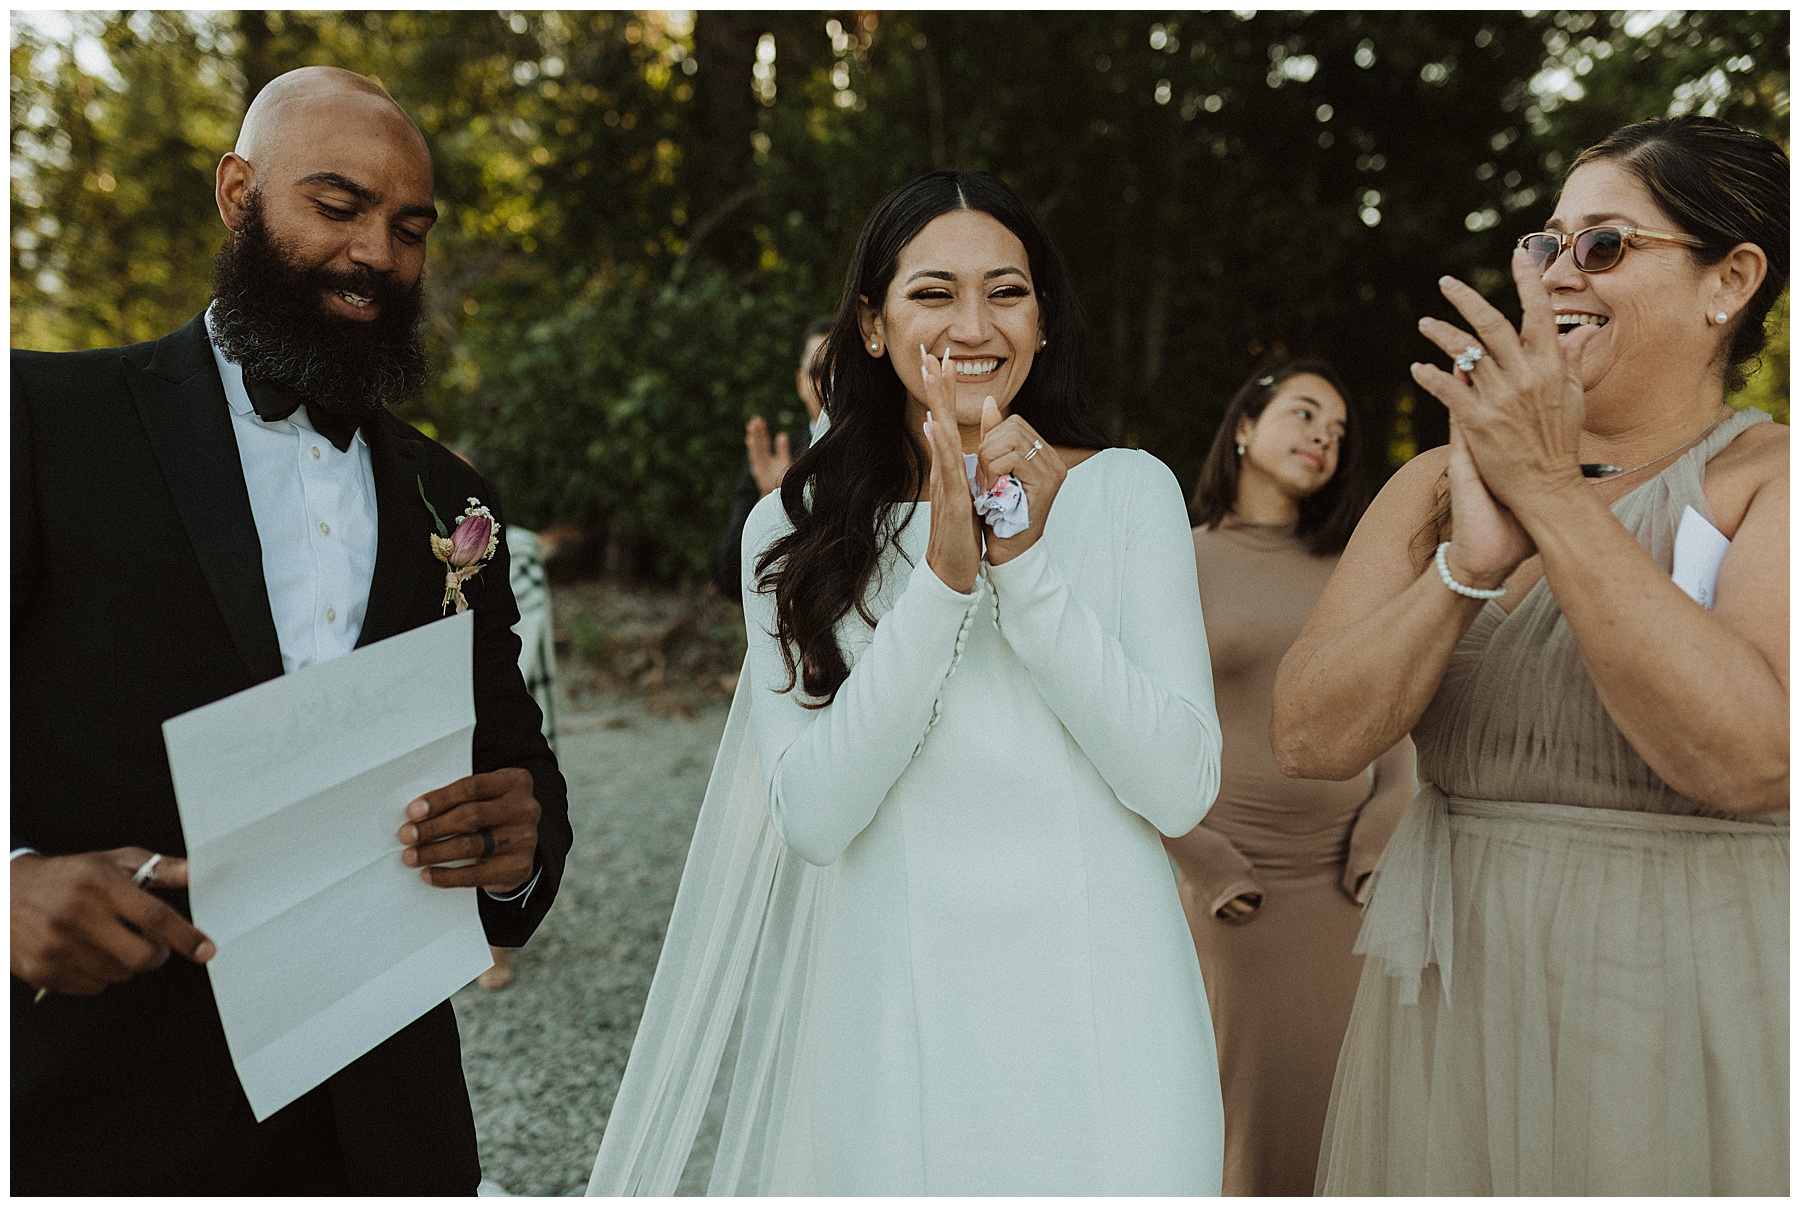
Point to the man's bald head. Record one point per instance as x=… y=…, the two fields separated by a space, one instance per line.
x=323 y=141
x=329 y=200
x=311 y=102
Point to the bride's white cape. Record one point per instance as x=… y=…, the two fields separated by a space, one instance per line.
x=719 y=1022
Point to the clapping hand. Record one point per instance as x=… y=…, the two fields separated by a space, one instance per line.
x=1516 y=417
x=1488 y=542
x=768 y=466
x=953 y=549
x=1520 y=404
x=490 y=820
x=1010 y=446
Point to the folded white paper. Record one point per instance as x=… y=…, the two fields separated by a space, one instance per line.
x=291 y=795
x=1699 y=551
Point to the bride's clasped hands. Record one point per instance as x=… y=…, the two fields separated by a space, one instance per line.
x=1005 y=444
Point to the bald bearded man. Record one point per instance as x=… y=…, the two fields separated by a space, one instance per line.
x=191 y=517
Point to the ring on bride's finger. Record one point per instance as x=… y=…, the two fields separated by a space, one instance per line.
x=1466 y=359
x=1035 y=446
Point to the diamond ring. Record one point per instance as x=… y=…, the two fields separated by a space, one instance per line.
x=1465 y=360
x=1035 y=446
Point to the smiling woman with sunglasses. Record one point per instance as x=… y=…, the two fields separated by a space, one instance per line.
x=1576 y=973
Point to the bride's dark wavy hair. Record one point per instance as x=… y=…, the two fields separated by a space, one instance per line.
x=840 y=493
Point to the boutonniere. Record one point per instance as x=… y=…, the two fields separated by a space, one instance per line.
x=465 y=551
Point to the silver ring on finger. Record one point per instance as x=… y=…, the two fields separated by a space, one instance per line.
x=147 y=873
x=1035 y=446
x=487 y=842
x=1468 y=357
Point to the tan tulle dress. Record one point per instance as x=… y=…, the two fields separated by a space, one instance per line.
x=1577 y=979
x=1280 y=981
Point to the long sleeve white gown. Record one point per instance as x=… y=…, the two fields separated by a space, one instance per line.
x=1002 y=996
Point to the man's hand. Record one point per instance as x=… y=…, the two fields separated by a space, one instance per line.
x=768 y=466
x=79 y=924
x=491 y=819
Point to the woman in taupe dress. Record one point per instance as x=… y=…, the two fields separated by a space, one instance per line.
x=1576 y=975
x=1271 y=879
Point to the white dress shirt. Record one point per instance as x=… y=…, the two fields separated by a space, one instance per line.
x=316 y=520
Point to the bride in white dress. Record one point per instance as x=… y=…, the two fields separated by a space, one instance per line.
x=927 y=940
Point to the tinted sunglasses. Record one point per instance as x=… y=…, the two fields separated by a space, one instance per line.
x=1596 y=248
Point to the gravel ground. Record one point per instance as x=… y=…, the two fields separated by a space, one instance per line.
x=543 y=1057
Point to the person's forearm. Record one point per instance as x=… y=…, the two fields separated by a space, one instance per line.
x=1148 y=725
x=1343 y=698
x=1215 y=869
x=829 y=769
x=1698 y=701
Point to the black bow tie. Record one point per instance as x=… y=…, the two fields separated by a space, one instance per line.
x=273 y=403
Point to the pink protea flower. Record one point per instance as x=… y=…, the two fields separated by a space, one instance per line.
x=465 y=551
x=473 y=540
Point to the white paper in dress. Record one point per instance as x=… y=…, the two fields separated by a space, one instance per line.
x=291 y=796
x=1699 y=550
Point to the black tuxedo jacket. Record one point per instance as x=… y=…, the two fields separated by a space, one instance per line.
x=728 y=557
x=138 y=594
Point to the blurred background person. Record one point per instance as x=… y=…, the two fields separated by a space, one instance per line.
x=537 y=656
x=1271 y=880
x=766 y=463
x=1577 y=943
x=536 y=627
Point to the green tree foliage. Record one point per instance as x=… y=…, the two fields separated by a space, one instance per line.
x=112 y=177
x=643 y=209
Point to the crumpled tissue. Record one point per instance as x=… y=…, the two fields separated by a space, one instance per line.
x=1002 y=506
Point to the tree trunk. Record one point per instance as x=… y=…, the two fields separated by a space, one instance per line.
x=724 y=115
x=253 y=28
x=1170 y=234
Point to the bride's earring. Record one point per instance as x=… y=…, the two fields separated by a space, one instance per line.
x=875 y=347
x=1240 y=448
x=1721 y=318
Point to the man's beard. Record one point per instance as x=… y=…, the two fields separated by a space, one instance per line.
x=269 y=316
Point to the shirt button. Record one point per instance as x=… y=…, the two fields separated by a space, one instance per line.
x=330 y=615
x=315 y=452
x=324 y=528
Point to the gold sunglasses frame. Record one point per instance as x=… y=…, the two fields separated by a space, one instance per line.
x=1567 y=242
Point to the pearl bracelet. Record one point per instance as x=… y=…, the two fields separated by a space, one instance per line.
x=1443 y=565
